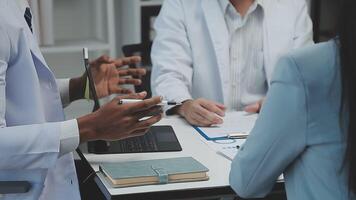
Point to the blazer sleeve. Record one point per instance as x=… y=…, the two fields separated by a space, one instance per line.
x=171 y=54
x=303 y=33
x=23 y=147
x=278 y=137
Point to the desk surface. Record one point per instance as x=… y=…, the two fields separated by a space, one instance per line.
x=192 y=145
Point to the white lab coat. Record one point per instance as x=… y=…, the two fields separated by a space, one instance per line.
x=190 y=54
x=30 y=111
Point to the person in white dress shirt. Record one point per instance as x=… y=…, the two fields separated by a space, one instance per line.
x=36 y=142
x=218 y=55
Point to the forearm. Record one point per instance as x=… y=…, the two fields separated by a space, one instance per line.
x=77 y=88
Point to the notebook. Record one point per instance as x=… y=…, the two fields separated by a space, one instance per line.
x=160 y=171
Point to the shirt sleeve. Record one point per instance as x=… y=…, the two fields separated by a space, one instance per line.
x=278 y=137
x=303 y=33
x=63 y=86
x=171 y=55
x=69 y=137
x=26 y=146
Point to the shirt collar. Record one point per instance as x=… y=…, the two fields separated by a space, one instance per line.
x=224 y=4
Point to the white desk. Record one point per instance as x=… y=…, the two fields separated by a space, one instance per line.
x=192 y=145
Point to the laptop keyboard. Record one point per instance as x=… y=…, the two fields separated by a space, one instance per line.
x=137 y=144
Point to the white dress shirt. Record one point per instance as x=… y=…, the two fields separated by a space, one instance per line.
x=69 y=138
x=69 y=129
x=191 y=51
x=248 y=82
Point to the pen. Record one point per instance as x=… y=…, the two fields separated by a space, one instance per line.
x=163 y=103
x=241 y=135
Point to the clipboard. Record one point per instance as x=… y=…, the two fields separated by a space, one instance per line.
x=205 y=136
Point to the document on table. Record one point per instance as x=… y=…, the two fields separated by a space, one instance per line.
x=234 y=122
x=226 y=148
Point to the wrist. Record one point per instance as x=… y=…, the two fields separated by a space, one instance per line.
x=181 y=109
x=86 y=128
x=77 y=88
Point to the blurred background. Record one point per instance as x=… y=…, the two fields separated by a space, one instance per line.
x=118 y=28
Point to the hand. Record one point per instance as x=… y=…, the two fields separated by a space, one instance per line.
x=202 y=112
x=108 y=75
x=116 y=122
x=256 y=107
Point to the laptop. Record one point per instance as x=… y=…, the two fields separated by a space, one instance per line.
x=157 y=139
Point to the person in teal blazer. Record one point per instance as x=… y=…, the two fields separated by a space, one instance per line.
x=307 y=126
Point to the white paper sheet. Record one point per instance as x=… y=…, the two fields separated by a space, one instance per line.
x=226 y=148
x=234 y=122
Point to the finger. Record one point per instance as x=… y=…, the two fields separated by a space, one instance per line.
x=210 y=116
x=140 y=95
x=103 y=59
x=195 y=122
x=129 y=81
x=119 y=90
x=148 y=122
x=127 y=61
x=139 y=132
x=212 y=107
x=156 y=110
x=253 y=108
x=221 y=106
x=200 y=120
x=144 y=105
x=132 y=72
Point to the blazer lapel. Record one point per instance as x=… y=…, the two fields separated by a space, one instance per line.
x=219 y=35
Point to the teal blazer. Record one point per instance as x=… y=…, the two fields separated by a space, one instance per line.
x=298 y=131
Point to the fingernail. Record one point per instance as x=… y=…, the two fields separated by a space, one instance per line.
x=218 y=121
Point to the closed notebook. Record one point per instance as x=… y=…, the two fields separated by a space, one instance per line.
x=147 y=172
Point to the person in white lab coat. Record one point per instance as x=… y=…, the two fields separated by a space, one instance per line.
x=219 y=54
x=35 y=140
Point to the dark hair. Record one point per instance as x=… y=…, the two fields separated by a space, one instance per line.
x=347 y=38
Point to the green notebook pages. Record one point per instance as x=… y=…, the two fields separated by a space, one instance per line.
x=148 y=172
